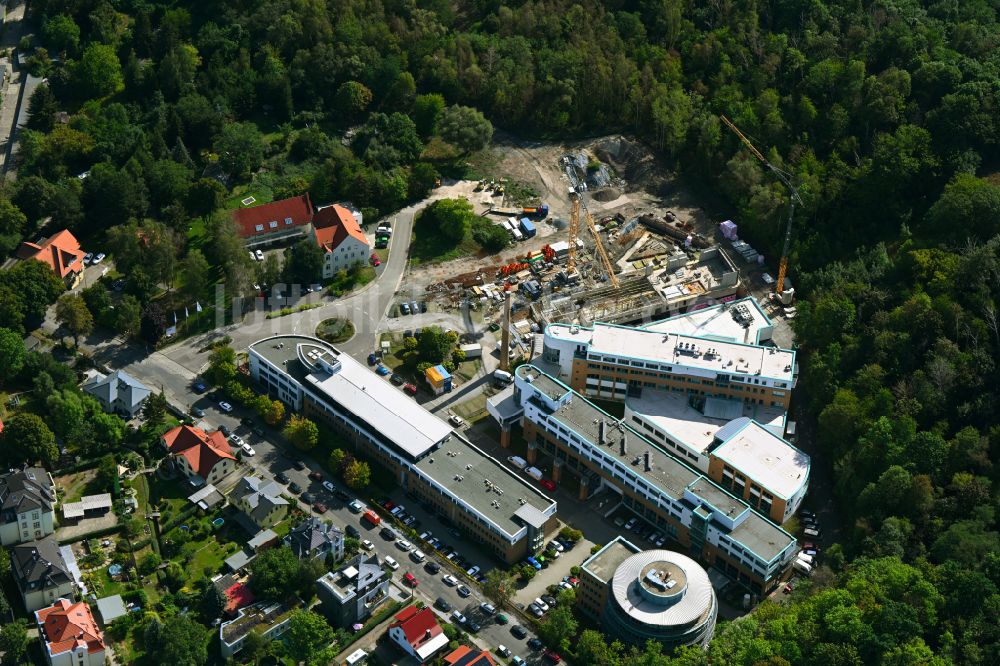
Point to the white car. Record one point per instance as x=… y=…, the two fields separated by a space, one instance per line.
x=236 y=439
x=473 y=571
x=258 y=255
x=99 y=258
x=449 y=580
x=356 y=506
x=556 y=546
x=456 y=420
x=247 y=449
x=631 y=523
x=225 y=406
x=398 y=509
x=404 y=545
x=367 y=545
x=503 y=651
x=391 y=563
x=328 y=486
x=542 y=605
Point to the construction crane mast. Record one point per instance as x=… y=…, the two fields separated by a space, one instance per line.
x=793 y=198
x=572 y=234
x=608 y=266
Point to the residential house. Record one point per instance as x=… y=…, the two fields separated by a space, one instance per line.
x=27 y=498
x=269 y=618
x=316 y=538
x=41 y=573
x=338 y=234
x=201 y=457
x=70 y=635
x=416 y=631
x=61 y=252
x=353 y=592
x=261 y=502
x=464 y=655
x=119 y=393
x=276 y=221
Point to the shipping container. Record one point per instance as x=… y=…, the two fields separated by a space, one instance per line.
x=472 y=350
x=527 y=228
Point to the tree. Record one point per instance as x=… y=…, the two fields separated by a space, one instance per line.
x=155 y=408
x=465 y=127
x=221 y=365
x=152 y=635
x=427 y=111
x=194 y=273
x=148 y=563
x=338 y=459
x=72 y=312
x=241 y=148
x=451 y=217
x=99 y=72
x=308 y=633
x=128 y=315
x=14 y=641
x=491 y=237
x=302 y=433
x=559 y=628
x=112 y=196
x=183 y=642
x=12 y=355
x=423 y=177
x=435 y=344
x=26 y=438
x=357 y=475
x=352 y=99
x=213 y=602
x=62 y=34
x=274 y=413
x=968 y=207
x=499 y=586
x=254 y=646
x=42 y=108
x=303 y=262
x=204 y=197
x=271 y=573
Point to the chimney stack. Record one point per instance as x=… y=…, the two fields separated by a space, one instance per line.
x=646 y=461
x=505 y=334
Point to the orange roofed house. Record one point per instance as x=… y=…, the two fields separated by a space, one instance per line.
x=202 y=457
x=70 y=634
x=417 y=632
x=467 y=656
x=275 y=221
x=338 y=233
x=61 y=252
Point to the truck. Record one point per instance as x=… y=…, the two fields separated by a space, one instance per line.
x=503 y=376
x=472 y=350
x=516 y=233
x=534 y=473
x=802 y=567
x=527 y=228
x=517 y=461
x=540 y=212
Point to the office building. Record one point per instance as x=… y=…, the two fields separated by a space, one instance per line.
x=637 y=596
x=427 y=458
x=606 y=454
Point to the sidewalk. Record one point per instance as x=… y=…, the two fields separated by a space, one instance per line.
x=13 y=29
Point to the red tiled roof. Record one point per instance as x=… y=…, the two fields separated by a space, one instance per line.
x=238 y=596
x=61 y=252
x=419 y=625
x=271 y=217
x=202 y=450
x=334 y=224
x=67 y=625
x=467 y=656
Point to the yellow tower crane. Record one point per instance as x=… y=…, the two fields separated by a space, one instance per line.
x=793 y=199
x=608 y=266
x=574 y=233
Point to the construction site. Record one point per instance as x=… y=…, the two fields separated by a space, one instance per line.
x=600 y=233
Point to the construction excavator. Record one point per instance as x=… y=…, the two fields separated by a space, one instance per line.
x=784 y=296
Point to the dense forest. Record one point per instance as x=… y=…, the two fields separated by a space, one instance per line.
x=886 y=113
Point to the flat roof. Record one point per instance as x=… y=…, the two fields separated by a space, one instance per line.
x=669 y=474
x=737 y=321
x=603 y=563
x=673 y=413
x=358 y=390
x=733 y=358
x=474 y=477
x=767 y=459
x=690 y=600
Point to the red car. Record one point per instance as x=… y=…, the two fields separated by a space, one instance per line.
x=375 y=260
x=316 y=476
x=410 y=579
x=553 y=656
x=319 y=507
x=410 y=388
x=548 y=484
x=389 y=505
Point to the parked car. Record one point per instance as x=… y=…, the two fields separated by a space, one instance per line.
x=631 y=523
x=473 y=626
x=329 y=486
x=535 y=644
x=352 y=531
x=555 y=545
x=517 y=631
x=198 y=411
x=535 y=610
x=473 y=571
x=432 y=567
x=99 y=258
x=382 y=371
x=517 y=661
x=259 y=255
x=282 y=477
x=225 y=406
x=294 y=488
x=387 y=533
x=199 y=387
x=463 y=591
x=535 y=563
x=410 y=389
x=404 y=545
x=442 y=604
x=449 y=580
x=549 y=600
x=319 y=507
x=356 y=506
x=503 y=651
x=87 y=258
x=372 y=359
x=456 y=420
x=410 y=579
x=308 y=498
x=224 y=429
x=553 y=656
x=541 y=604
x=391 y=563
x=367 y=545
x=458 y=618
x=316 y=476
x=299 y=465
x=548 y=484
x=396 y=379
x=247 y=449
x=405 y=308
x=489 y=609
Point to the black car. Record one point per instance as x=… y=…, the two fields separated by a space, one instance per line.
x=199 y=412
x=535 y=644
x=443 y=604
x=294 y=487
x=396 y=379
x=308 y=498
x=341 y=495
x=549 y=599
x=473 y=626
x=518 y=631
x=281 y=477
x=299 y=465
x=432 y=567
x=387 y=533
x=352 y=531
x=225 y=430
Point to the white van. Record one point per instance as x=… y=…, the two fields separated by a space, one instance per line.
x=517 y=461
x=805 y=557
x=503 y=376
x=812 y=532
x=417 y=556
x=802 y=567
x=356 y=658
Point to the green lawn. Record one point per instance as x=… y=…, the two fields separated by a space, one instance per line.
x=467 y=370
x=212 y=555
x=430 y=246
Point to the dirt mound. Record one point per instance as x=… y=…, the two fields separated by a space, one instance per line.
x=632 y=161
